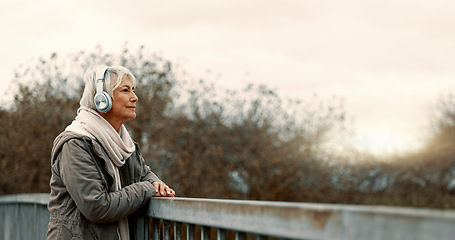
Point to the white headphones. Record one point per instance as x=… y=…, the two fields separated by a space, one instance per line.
x=102 y=100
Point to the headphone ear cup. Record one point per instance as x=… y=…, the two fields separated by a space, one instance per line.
x=103 y=102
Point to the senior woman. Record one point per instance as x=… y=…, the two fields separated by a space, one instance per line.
x=99 y=179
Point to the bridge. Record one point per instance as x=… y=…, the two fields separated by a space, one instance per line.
x=25 y=216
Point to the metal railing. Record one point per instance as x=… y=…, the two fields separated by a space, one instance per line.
x=25 y=216
x=214 y=219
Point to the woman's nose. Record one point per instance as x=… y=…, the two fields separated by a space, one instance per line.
x=134 y=98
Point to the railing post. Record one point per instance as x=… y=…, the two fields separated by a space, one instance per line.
x=205 y=232
x=221 y=234
x=166 y=228
x=190 y=231
x=240 y=236
x=142 y=231
x=260 y=237
x=156 y=228
x=177 y=230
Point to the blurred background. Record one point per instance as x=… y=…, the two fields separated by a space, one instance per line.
x=311 y=101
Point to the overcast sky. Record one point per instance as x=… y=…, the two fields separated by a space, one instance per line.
x=389 y=59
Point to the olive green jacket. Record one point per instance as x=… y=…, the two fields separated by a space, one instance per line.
x=82 y=204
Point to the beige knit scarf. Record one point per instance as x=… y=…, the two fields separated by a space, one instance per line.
x=118 y=145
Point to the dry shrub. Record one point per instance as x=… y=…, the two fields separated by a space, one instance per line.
x=210 y=142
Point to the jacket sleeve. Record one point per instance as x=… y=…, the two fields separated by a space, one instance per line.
x=84 y=182
x=149 y=176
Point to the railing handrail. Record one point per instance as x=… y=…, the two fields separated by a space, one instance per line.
x=307 y=220
x=32 y=198
x=24 y=216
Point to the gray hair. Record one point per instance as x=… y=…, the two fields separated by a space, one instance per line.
x=112 y=80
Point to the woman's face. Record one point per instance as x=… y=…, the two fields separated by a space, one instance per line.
x=123 y=103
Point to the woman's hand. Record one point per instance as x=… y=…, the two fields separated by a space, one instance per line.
x=162 y=190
